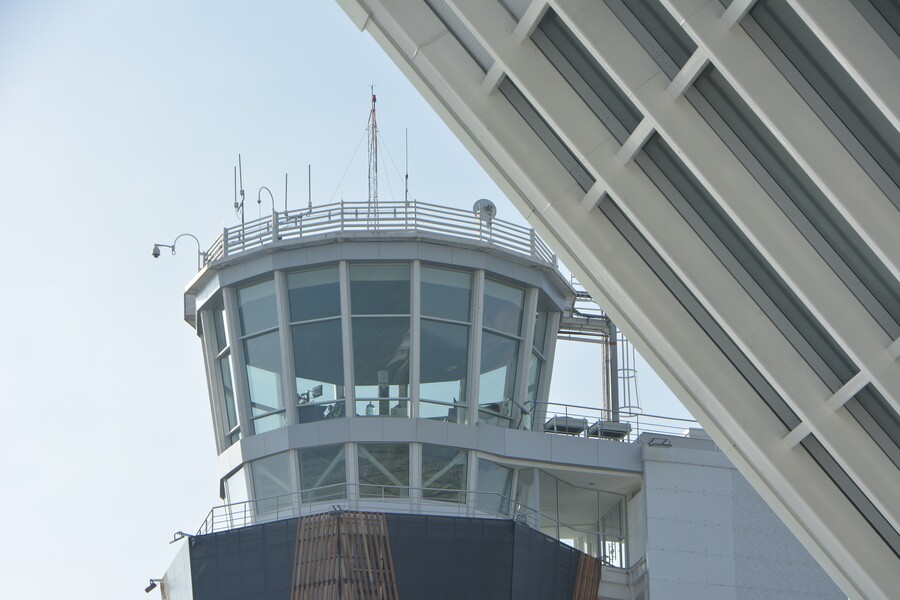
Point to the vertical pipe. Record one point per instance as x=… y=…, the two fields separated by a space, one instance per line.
x=614 y=371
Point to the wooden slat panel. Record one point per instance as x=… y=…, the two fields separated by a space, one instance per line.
x=343 y=556
x=587 y=580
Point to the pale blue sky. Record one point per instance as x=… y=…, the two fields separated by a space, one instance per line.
x=120 y=122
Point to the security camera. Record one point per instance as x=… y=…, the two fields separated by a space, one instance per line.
x=155 y=251
x=151 y=587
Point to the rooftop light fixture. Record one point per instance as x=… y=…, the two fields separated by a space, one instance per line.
x=201 y=256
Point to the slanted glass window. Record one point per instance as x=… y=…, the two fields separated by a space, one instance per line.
x=318 y=370
x=446 y=294
x=379 y=289
x=541 y=318
x=272 y=485
x=323 y=474
x=314 y=294
x=503 y=306
x=314 y=299
x=444 y=364
x=256 y=304
x=381 y=366
x=444 y=471
x=231 y=422
x=531 y=392
x=497 y=381
x=383 y=470
x=494 y=487
x=236 y=487
x=380 y=343
x=263 y=357
x=228 y=407
x=221 y=331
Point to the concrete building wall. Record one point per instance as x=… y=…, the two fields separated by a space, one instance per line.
x=710 y=536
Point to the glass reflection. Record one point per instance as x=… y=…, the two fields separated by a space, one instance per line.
x=314 y=294
x=444 y=472
x=446 y=294
x=534 y=380
x=221 y=331
x=381 y=360
x=494 y=487
x=271 y=478
x=496 y=383
x=379 y=289
x=256 y=305
x=444 y=361
x=540 y=328
x=318 y=370
x=383 y=470
x=322 y=473
x=228 y=388
x=263 y=357
x=503 y=306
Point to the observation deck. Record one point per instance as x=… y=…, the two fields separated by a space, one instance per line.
x=398 y=358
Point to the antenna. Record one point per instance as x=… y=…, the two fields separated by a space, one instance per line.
x=240 y=207
x=373 y=157
x=309 y=187
x=406 y=168
x=285 y=192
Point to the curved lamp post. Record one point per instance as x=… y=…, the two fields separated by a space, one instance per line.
x=201 y=255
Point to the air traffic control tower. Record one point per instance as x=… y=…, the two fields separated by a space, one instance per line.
x=379 y=379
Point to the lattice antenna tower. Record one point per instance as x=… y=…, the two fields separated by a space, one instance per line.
x=373 y=157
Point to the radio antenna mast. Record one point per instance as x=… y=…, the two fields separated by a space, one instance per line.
x=406 y=168
x=239 y=206
x=373 y=158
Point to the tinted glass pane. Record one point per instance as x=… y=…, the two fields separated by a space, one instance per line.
x=446 y=294
x=379 y=289
x=381 y=357
x=271 y=478
x=382 y=408
x=269 y=422
x=314 y=294
x=318 y=361
x=322 y=473
x=443 y=469
x=540 y=328
x=497 y=382
x=257 y=307
x=228 y=388
x=579 y=515
x=445 y=356
x=534 y=381
x=239 y=511
x=263 y=358
x=502 y=306
x=433 y=411
x=383 y=470
x=236 y=487
x=494 y=487
x=221 y=332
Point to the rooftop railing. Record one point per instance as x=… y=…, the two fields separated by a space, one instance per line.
x=624 y=425
x=409 y=500
x=359 y=218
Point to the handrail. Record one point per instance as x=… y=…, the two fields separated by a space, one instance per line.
x=580 y=419
x=360 y=217
x=410 y=500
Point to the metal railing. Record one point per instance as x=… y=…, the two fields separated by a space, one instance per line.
x=408 y=500
x=359 y=217
x=586 y=421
